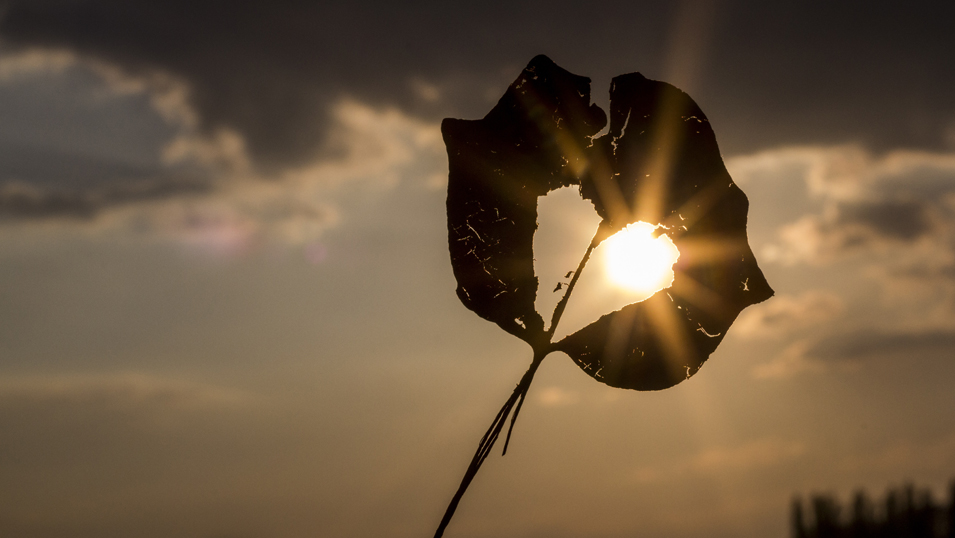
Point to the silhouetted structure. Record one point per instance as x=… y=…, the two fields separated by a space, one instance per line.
x=905 y=512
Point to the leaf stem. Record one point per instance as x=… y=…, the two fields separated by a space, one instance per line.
x=541 y=351
x=559 y=309
x=490 y=437
x=516 y=400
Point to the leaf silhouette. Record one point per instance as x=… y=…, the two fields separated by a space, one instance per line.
x=530 y=144
x=659 y=163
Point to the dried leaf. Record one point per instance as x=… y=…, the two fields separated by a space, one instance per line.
x=659 y=164
x=528 y=145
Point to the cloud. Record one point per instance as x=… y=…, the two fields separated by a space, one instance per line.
x=21 y=200
x=32 y=61
x=273 y=86
x=855 y=228
x=268 y=72
x=217 y=205
x=888 y=218
x=868 y=344
x=872 y=205
x=376 y=150
x=747 y=457
x=846 y=351
x=191 y=183
x=81 y=135
x=121 y=392
x=265 y=100
x=169 y=95
x=786 y=314
x=793 y=361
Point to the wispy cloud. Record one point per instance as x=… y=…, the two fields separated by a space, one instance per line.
x=31 y=61
x=793 y=360
x=860 y=345
x=872 y=205
x=848 y=350
x=746 y=457
x=887 y=219
x=120 y=391
x=786 y=314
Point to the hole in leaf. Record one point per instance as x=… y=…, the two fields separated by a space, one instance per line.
x=637 y=261
x=626 y=268
x=566 y=225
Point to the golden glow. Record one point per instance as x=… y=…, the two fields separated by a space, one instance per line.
x=637 y=261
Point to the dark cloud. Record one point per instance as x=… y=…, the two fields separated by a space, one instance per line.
x=926 y=273
x=903 y=220
x=73 y=142
x=37 y=183
x=890 y=205
x=787 y=314
x=53 y=168
x=108 y=185
x=860 y=224
x=875 y=343
x=18 y=200
x=768 y=73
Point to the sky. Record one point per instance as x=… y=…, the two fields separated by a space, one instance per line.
x=227 y=308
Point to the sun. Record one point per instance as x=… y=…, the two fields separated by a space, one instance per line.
x=639 y=262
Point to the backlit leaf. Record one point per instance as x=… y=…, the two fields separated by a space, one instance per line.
x=659 y=164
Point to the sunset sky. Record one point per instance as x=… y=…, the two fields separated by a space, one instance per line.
x=227 y=307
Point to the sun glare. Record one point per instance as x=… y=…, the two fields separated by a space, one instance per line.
x=637 y=261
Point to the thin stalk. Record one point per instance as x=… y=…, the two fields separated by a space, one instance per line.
x=487 y=442
x=559 y=310
x=515 y=401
